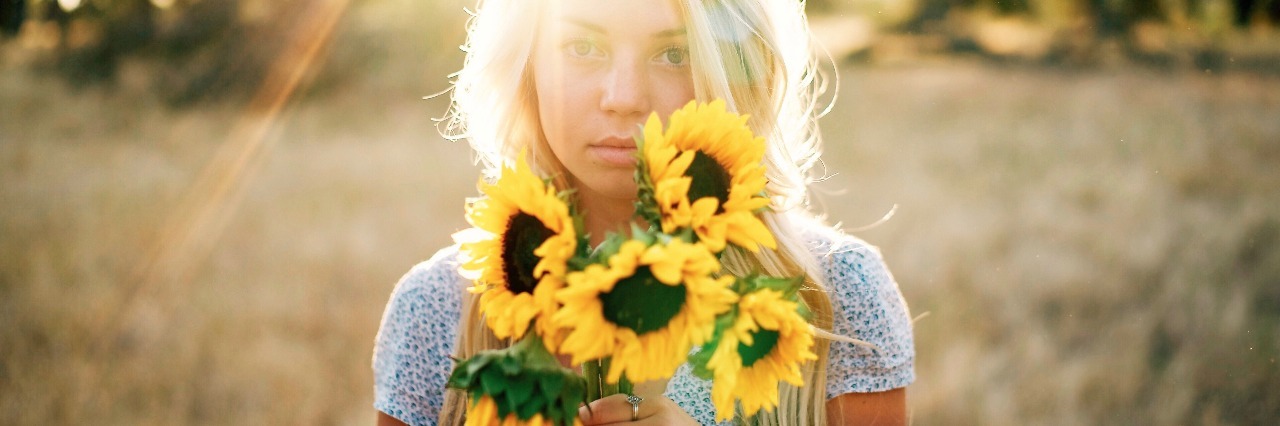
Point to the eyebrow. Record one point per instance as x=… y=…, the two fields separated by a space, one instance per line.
x=599 y=29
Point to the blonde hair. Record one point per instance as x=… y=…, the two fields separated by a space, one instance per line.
x=754 y=54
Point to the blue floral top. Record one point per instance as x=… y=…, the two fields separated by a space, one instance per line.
x=419 y=329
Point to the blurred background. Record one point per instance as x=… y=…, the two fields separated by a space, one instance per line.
x=204 y=204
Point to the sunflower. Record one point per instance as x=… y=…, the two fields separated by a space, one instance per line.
x=705 y=173
x=517 y=250
x=645 y=309
x=484 y=412
x=766 y=344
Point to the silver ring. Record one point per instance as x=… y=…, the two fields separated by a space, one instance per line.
x=635 y=401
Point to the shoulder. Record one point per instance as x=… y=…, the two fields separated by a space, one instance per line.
x=845 y=259
x=866 y=305
x=416 y=338
x=431 y=286
x=430 y=292
x=439 y=274
x=850 y=264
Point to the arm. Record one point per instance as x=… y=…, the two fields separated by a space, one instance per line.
x=411 y=355
x=867 y=386
x=875 y=408
x=385 y=420
x=887 y=408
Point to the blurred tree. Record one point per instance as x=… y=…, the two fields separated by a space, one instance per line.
x=210 y=53
x=930 y=12
x=126 y=26
x=1109 y=17
x=1244 y=11
x=211 y=49
x=12 y=13
x=1004 y=7
x=1255 y=12
x=198 y=50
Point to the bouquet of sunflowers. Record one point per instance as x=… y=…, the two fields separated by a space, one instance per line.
x=635 y=307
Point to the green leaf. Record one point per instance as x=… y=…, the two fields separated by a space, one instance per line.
x=520 y=388
x=725 y=320
x=506 y=405
x=493 y=382
x=642 y=235
x=464 y=374
x=610 y=246
x=551 y=384
x=477 y=362
x=578 y=263
x=781 y=284
x=534 y=356
x=459 y=379
x=562 y=407
x=699 y=361
x=804 y=312
x=552 y=413
x=576 y=387
x=570 y=409
x=687 y=235
x=566 y=196
x=510 y=365
x=529 y=408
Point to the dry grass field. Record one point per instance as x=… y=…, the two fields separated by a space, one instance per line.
x=1093 y=246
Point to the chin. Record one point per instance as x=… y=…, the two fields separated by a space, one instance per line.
x=609 y=187
x=619 y=191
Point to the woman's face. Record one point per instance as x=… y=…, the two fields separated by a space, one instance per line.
x=600 y=68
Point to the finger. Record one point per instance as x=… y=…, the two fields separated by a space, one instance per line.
x=610 y=409
x=651 y=421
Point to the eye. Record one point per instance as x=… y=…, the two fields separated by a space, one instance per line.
x=674 y=55
x=581 y=48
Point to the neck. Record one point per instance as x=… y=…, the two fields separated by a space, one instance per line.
x=602 y=215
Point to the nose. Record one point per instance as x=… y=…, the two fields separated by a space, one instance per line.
x=626 y=89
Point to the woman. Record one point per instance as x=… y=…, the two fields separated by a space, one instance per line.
x=569 y=81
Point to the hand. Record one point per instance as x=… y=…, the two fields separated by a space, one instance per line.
x=654 y=410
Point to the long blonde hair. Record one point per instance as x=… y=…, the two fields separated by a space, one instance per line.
x=754 y=54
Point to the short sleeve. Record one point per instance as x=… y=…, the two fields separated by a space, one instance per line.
x=867 y=306
x=419 y=326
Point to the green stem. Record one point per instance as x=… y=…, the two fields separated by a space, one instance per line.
x=591 y=371
x=625 y=386
x=597 y=387
x=606 y=388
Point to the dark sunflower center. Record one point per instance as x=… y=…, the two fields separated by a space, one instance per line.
x=710 y=179
x=764 y=340
x=524 y=234
x=642 y=303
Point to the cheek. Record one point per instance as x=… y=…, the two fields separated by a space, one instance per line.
x=675 y=90
x=564 y=93
x=551 y=103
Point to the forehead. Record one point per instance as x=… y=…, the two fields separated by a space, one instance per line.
x=614 y=18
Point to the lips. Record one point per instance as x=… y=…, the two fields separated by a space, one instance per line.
x=615 y=151
x=616 y=142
